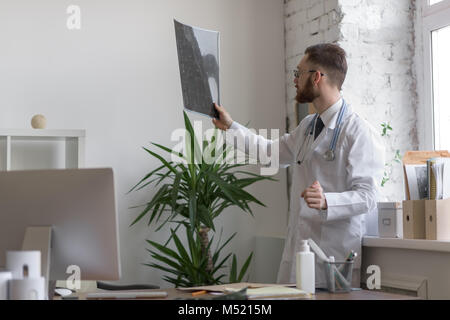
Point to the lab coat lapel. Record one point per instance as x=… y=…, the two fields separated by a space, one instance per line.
x=325 y=132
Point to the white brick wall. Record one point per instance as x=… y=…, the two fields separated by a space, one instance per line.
x=307 y=22
x=378 y=36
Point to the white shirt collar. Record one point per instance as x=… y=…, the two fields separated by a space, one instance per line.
x=329 y=117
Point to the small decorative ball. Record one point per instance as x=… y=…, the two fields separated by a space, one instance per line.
x=39 y=122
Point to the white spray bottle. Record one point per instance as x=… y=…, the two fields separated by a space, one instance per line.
x=305 y=269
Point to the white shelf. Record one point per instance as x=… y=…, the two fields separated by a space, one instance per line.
x=74 y=144
x=424 y=245
x=46 y=133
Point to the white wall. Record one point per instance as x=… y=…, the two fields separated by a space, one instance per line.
x=306 y=23
x=424 y=129
x=379 y=38
x=118 y=78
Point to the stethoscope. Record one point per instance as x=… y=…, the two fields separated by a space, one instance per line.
x=330 y=154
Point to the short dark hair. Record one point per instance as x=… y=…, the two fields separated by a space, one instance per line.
x=332 y=58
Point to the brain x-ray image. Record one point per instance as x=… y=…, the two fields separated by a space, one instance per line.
x=198 y=57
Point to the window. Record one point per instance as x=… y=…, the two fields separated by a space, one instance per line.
x=440 y=41
x=433 y=2
x=436 y=44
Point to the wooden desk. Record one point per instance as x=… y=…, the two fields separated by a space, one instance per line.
x=354 y=295
x=363 y=295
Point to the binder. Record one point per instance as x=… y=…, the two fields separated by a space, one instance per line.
x=431 y=179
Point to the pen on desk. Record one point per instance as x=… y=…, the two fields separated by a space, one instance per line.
x=344 y=269
x=351 y=257
x=198 y=293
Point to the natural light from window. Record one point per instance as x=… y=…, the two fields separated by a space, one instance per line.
x=434 y=2
x=441 y=87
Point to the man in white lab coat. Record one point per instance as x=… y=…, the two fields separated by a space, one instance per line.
x=330 y=195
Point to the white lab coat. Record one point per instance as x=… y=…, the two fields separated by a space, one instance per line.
x=350 y=183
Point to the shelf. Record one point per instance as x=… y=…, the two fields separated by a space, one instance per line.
x=73 y=141
x=47 y=133
x=424 y=245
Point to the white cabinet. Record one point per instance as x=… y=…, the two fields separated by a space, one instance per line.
x=23 y=149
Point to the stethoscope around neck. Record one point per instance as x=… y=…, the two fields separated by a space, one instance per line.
x=330 y=154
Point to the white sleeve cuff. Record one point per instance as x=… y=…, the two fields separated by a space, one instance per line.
x=236 y=126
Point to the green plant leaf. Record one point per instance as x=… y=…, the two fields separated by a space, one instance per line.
x=177 y=282
x=221 y=263
x=159 y=194
x=175 y=188
x=178 y=154
x=193 y=248
x=170 y=238
x=223 y=245
x=205 y=217
x=233 y=270
x=194 y=156
x=160 y=267
x=192 y=211
x=244 y=268
x=180 y=247
x=164 y=161
x=146 y=184
x=147 y=177
x=226 y=189
x=168 y=252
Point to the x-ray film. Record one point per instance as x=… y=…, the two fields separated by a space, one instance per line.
x=198 y=58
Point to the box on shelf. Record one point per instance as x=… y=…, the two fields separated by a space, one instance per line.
x=437 y=219
x=371 y=222
x=390 y=220
x=414 y=219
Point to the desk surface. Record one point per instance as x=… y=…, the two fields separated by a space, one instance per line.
x=354 y=295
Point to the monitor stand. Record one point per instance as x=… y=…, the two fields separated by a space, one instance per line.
x=39 y=239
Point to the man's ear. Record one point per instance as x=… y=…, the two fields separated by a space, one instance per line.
x=316 y=77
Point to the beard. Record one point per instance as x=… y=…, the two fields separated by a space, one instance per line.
x=306 y=95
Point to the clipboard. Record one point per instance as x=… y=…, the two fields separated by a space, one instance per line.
x=419 y=157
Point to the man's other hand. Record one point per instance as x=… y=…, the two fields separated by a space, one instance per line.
x=224 y=122
x=314 y=197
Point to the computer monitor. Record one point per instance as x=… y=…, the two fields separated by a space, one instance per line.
x=78 y=205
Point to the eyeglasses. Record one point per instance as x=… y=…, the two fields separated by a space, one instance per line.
x=297 y=73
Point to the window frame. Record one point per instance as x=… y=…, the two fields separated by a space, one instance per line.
x=428 y=9
x=434 y=17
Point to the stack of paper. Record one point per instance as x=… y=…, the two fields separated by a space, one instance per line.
x=439 y=178
x=417 y=179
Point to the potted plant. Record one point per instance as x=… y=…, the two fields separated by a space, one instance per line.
x=388 y=167
x=386 y=221
x=190 y=195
